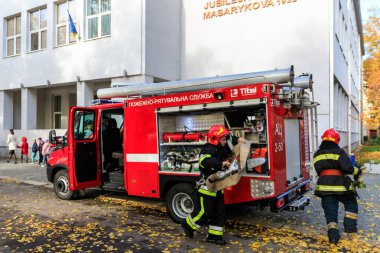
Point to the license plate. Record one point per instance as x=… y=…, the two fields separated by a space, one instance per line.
x=292 y=195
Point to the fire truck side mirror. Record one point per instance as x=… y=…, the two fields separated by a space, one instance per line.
x=55 y=140
x=52 y=136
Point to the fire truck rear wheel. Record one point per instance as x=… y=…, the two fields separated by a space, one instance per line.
x=180 y=201
x=61 y=185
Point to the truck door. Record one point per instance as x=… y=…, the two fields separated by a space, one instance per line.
x=84 y=155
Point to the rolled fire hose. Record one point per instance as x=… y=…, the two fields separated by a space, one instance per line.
x=233 y=176
x=233 y=169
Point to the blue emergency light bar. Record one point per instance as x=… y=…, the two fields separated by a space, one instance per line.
x=106 y=101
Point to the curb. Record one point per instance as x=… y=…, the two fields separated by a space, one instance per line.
x=30 y=182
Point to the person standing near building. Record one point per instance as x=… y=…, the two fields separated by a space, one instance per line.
x=12 y=144
x=34 y=152
x=46 y=149
x=334 y=185
x=24 y=149
x=210 y=205
x=40 y=144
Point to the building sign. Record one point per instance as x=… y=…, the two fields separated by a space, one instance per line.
x=222 y=8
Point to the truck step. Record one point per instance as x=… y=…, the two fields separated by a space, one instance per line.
x=298 y=204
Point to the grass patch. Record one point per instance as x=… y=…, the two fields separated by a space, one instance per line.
x=374 y=148
x=367 y=154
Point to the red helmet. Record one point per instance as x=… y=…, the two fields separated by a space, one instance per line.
x=215 y=133
x=331 y=135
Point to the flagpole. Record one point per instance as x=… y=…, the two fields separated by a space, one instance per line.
x=72 y=28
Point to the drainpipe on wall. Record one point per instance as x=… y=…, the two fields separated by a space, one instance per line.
x=349 y=103
x=361 y=105
x=331 y=63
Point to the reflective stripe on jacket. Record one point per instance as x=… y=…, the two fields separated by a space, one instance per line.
x=331 y=157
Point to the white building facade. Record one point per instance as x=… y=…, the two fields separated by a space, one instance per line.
x=44 y=69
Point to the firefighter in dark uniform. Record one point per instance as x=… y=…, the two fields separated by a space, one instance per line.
x=210 y=208
x=334 y=185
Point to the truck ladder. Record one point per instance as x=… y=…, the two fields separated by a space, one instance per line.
x=314 y=135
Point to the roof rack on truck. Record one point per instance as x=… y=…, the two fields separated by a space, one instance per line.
x=153 y=89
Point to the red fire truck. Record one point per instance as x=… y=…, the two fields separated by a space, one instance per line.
x=159 y=128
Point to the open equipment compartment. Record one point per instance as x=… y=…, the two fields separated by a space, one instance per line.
x=182 y=134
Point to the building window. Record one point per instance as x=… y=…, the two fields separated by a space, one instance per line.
x=63 y=25
x=98 y=18
x=13 y=43
x=57 y=113
x=38 y=29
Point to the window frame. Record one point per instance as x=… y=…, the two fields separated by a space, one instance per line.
x=15 y=36
x=98 y=17
x=68 y=38
x=56 y=113
x=39 y=31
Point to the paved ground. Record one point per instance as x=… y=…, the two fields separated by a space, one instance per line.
x=32 y=219
x=23 y=171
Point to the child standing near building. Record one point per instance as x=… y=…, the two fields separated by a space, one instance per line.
x=46 y=152
x=34 y=152
x=40 y=144
x=24 y=149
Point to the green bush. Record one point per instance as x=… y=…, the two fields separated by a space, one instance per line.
x=375 y=141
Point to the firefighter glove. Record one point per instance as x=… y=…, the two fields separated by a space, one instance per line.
x=360 y=172
x=361 y=185
x=347 y=182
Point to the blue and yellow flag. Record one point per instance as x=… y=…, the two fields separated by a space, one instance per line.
x=72 y=28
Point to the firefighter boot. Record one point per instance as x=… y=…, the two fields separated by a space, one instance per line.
x=189 y=232
x=350 y=222
x=333 y=234
x=350 y=229
x=217 y=239
x=350 y=226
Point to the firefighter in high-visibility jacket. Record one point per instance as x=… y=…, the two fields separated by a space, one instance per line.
x=209 y=207
x=334 y=185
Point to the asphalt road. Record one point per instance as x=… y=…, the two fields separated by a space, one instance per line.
x=33 y=219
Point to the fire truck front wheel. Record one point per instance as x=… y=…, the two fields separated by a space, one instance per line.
x=61 y=185
x=180 y=201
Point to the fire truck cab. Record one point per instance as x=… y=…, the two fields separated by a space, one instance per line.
x=145 y=139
